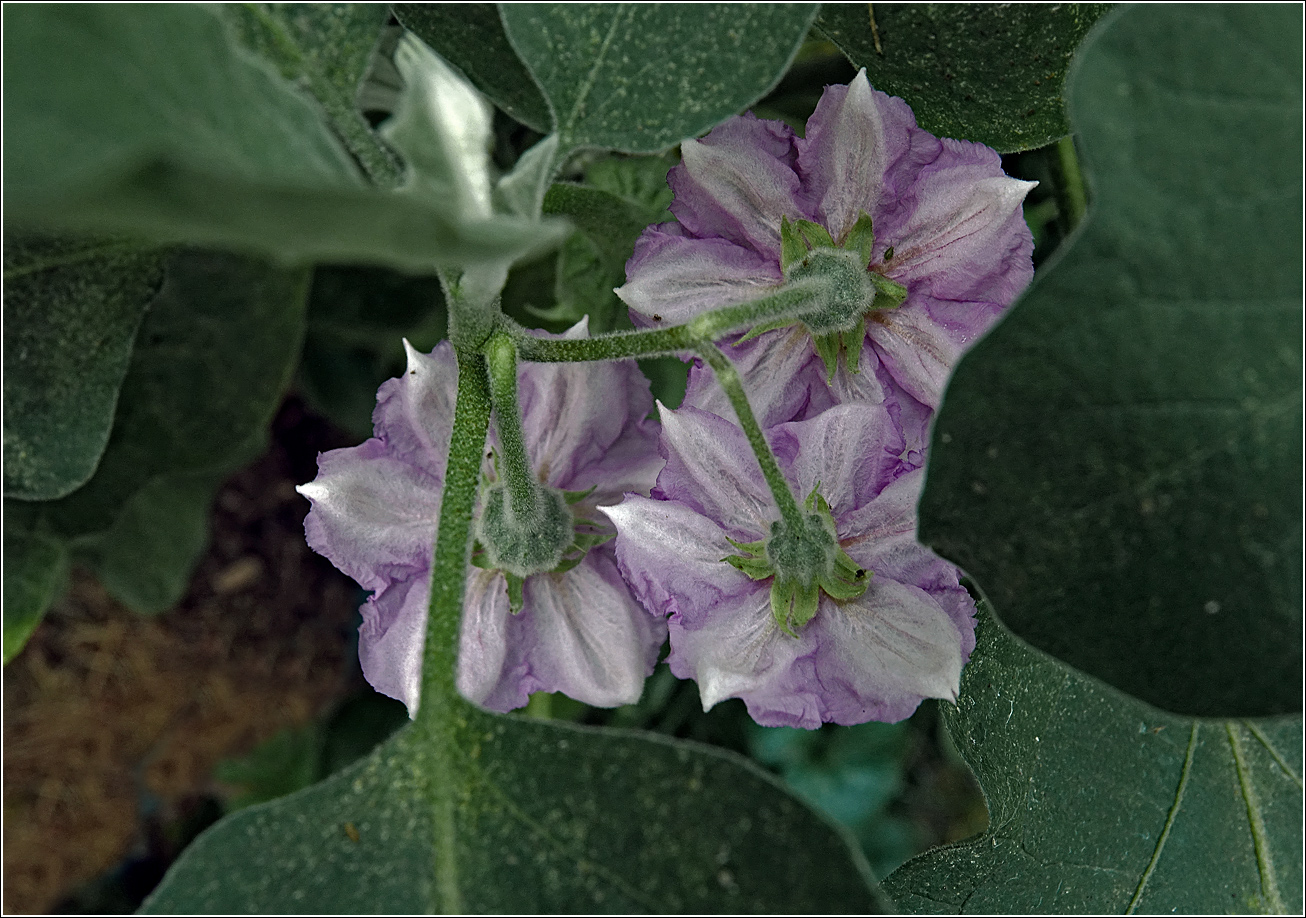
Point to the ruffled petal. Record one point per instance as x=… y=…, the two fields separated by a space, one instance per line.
x=875 y=385
x=848 y=451
x=852 y=138
x=590 y=639
x=671 y=556
x=414 y=412
x=921 y=342
x=966 y=239
x=373 y=515
x=737 y=183
x=676 y=277
x=711 y=468
x=483 y=638
x=880 y=655
x=782 y=375
x=391 y=638
x=881 y=537
x=741 y=653
x=573 y=415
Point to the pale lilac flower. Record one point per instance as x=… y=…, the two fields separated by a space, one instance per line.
x=944 y=207
x=375 y=508
x=870 y=658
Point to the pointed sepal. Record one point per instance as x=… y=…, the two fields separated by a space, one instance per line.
x=861 y=239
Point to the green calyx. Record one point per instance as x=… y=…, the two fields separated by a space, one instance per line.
x=838 y=323
x=803 y=561
x=547 y=538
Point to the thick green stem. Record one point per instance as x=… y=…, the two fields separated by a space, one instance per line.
x=453 y=539
x=728 y=377
x=514 y=461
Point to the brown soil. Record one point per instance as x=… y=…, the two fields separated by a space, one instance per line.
x=113 y=722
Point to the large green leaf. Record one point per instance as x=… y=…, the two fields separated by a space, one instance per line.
x=548 y=818
x=988 y=72
x=145 y=560
x=641 y=78
x=35 y=566
x=212 y=360
x=1118 y=464
x=1100 y=804
x=150 y=120
x=470 y=36
x=325 y=47
x=70 y=315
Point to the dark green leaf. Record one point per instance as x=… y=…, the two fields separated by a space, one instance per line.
x=470 y=36
x=988 y=72
x=145 y=560
x=70 y=316
x=35 y=566
x=641 y=78
x=611 y=222
x=212 y=359
x=357 y=320
x=326 y=48
x=211 y=362
x=548 y=818
x=166 y=130
x=626 y=195
x=1100 y=804
x=1118 y=464
x=287 y=762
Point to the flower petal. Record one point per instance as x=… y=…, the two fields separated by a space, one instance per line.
x=373 y=515
x=711 y=468
x=740 y=652
x=483 y=637
x=966 y=239
x=882 y=654
x=881 y=537
x=782 y=375
x=414 y=412
x=591 y=640
x=850 y=451
x=663 y=546
x=677 y=277
x=853 y=137
x=391 y=638
x=920 y=348
x=573 y=416
x=737 y=182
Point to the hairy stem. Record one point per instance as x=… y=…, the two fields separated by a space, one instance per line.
x=728 y=377
x=516 y=465
x=453 y=539
x=792 y=301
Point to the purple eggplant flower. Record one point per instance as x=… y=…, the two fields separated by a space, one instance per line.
x=872 y=657
x=947 y=226
x=374 y=514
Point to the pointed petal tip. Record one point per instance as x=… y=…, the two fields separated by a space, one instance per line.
x=413 y=357
x=312 y=490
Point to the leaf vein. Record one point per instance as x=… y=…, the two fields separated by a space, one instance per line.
x=591 y=78
x=1274 y=753
x=1260 y=840
x=1169 y=820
